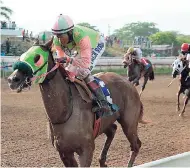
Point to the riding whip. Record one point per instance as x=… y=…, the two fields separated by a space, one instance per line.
x=171 y=82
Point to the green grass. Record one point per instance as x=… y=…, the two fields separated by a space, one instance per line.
x=123 y=71
x=163 y=70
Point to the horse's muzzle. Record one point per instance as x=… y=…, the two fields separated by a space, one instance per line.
x=174 y=74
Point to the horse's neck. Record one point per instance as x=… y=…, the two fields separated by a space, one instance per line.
x=56 y=97
x=133 y=63
x=184 y=75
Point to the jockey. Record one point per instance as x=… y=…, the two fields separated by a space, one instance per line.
x=185 y=50
x=137 y=54
x=89 y=45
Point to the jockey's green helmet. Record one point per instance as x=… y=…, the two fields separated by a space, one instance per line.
x=63 y=24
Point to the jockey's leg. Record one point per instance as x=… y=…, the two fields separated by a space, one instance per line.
x=85 y=74
x=92 y=83
x=96 y=89
x=147 y=65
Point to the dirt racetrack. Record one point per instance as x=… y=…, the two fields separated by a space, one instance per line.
x=25 y=143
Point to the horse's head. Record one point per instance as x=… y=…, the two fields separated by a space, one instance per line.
x=33 y=63
x=178 y=66
x=127 y=61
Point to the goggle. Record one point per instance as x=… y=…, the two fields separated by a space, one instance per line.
x=60 y=35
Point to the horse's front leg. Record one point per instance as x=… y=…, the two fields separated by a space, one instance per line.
x=137 y=74
x=68 y=159
x=178 y=96
x=144 y=84
x=187 y=97
x=184 y=105
x=85 y=157
x=131 y=74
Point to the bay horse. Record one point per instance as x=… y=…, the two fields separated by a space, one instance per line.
x=180 y=67
x=136 y=71
x=70 y=118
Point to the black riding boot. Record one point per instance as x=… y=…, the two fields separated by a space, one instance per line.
x=96 y=89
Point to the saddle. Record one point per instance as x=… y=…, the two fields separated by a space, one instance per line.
x=141 y=63
x=88 y=96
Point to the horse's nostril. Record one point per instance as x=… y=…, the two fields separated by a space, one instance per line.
x=16 y=79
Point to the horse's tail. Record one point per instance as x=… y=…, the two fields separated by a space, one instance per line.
x=141 y=116
x=151 y=75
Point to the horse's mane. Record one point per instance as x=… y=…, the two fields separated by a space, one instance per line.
x=181 y=58
x=46 y=46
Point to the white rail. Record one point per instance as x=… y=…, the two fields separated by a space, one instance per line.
x=105 y=61
x=180 y=160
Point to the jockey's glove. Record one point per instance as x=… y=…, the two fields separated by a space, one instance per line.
x=65 y=59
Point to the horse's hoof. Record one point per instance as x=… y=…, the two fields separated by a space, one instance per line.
x=102 y=163
x=180 y=115
x=129 y=165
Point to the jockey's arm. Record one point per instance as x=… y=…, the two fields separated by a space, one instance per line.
x=138 y=54
x=188 y=59
x=59 y=51
x=83 y=59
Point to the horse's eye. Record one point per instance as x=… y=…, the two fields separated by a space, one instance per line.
x=178 y=66
x=36 y=58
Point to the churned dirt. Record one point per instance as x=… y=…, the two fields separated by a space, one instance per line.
x=25 y=143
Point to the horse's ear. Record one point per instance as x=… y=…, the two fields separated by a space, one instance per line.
x=36 y=42
x=180 y=57
x=49 y=43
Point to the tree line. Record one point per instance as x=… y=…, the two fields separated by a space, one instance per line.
x=147 y=30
